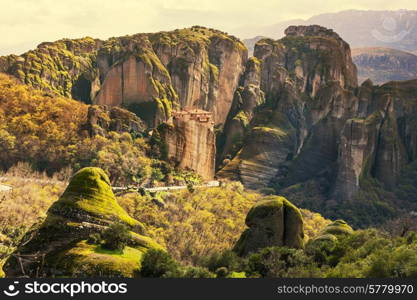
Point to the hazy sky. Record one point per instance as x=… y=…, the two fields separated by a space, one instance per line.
x=26 y=23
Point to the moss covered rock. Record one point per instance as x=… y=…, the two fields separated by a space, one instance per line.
x=336 y=228
x=89 y=196
x=331 y=233
x=58 y=246
x=273 y=221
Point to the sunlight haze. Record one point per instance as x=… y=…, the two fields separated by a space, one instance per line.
x=24 y=23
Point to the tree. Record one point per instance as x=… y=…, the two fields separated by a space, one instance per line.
x=158 y=263
x=116 y=237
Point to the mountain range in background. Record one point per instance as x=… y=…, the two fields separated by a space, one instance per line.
x=384 y=32
x=384 y=64
x=392 y=29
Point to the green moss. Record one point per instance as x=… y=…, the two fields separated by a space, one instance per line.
x=242 y=117
x=268 y=204
x=326 y=237
x=90 y=191
x=276 y=131
x=55 y=67
x=214 y=71
x=144 y=242
x=236 y=275
x=92 y=260
x=255 y=62
x=338 y=227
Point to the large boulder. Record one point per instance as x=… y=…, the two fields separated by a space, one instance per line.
x=59 y=247
x=273 y=221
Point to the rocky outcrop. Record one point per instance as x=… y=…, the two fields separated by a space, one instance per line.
x=103 y=119
x=58 y=246
x=190 y=141
x=306 y=78
x=247 y=97
x=272 y=222
x=65 y=67
x=150 y=74
x=318 y=136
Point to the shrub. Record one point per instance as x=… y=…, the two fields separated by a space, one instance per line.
x=223 y=262
x=116 y=237
x=222 y=272
x=281 y=262
x=197 y=272
x=94 y=238
x=158 y=263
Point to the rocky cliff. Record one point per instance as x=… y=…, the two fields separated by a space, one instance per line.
x=318 y=136
x=103 y=119
x=190 y=141
x=150 y=74
x=292 y=117
x=306 y=79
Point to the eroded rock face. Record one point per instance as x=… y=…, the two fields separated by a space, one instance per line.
x=87 y=206
x=306 y=78
x=103 y=119
x=190 y=141
x=317 y=127
x=64 y=67
x=150 y=74
x=247 y=97
x=272 y=222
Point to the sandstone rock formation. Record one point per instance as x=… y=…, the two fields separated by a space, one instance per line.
x=319 y=138
x=58 y=246
x=305 y=78
x=291 y=117
x=273 y=221
x=190 y=141
x=64 y=67
x=150 y=74
x=102 y=119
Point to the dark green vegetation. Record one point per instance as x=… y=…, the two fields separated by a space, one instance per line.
x=364 y=253
x=116 y=237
